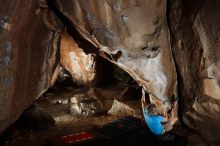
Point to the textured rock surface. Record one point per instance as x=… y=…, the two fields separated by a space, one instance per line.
x=27 y=57
x=132 y=34
x=195 y=26
x=81 y=66
x=119 y=108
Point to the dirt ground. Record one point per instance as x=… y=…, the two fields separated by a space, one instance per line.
x=55 y=102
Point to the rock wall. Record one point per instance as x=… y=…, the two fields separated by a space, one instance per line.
x=28 y=57
x=195 y=26
x=159 y=43
x=132 y=34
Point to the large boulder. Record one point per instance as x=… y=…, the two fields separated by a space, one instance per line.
x=80 y=65
x=28 y=57
x=195 y=26
x=132 y=34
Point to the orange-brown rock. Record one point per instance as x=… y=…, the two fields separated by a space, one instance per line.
x=80 y=65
